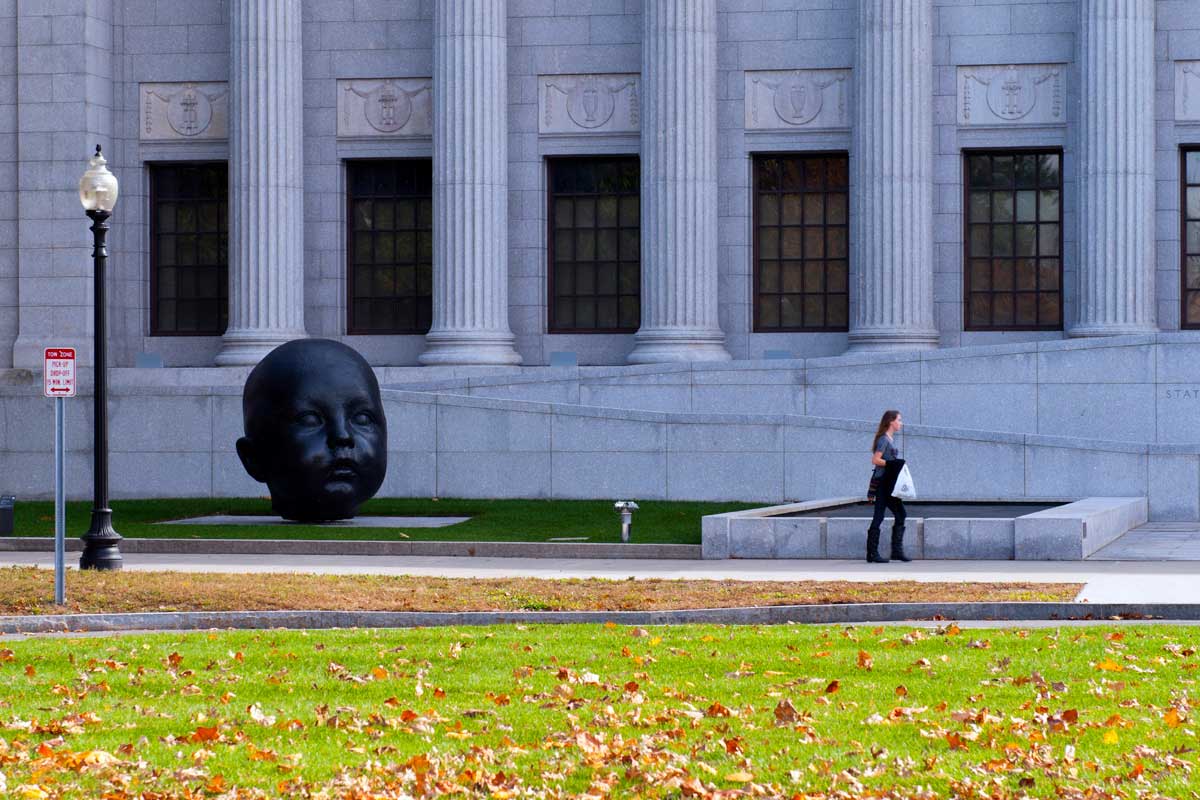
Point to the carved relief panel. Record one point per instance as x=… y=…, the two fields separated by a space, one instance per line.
x=1012 y=94
x=798 y=98
x=385 y=107
x=184 y=111
x=1187 y=91
x=589 y=103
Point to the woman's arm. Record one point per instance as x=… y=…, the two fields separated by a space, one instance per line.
x=877 y=459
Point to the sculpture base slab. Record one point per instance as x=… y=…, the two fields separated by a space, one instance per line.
x=356 y=522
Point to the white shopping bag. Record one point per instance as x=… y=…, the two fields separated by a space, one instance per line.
x=905 y=488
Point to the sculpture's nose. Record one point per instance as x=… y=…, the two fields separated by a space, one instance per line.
x=339 y=431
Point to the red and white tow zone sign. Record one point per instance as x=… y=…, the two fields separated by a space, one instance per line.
x=60 y=372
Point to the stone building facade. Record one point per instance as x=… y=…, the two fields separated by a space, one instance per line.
x=459 y=182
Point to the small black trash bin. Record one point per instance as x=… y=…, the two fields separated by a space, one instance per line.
x=7 y=503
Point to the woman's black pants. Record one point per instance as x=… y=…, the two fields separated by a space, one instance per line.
x=883 y=503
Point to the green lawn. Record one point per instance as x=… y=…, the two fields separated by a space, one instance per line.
x=787 y=711
x=492 y=520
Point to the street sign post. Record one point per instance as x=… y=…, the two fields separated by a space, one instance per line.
x=59 y=383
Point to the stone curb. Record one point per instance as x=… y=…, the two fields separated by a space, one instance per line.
x=754 y=615
x=349 y=547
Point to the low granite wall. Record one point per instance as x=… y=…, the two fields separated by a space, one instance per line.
x=978 y=420
x=1142 y=388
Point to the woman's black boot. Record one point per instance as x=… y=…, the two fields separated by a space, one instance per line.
x=873 y=556
x=898 y=544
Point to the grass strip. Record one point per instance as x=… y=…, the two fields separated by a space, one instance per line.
x=657 y=522
x=710 y=712
x=29 y=590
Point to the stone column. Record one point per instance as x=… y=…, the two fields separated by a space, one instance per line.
x=470 y=185
x=1116 y=168
x=266 y=180
x=679 y=184
x=892 y=178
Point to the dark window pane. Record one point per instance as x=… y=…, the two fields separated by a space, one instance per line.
x=980 y=276
x=979 y=312
x=791 y=311
x=981 y=240
x=768 y=209
x=391 y=214
x=768 y=276
x=1026 y=308
x=1048 y=244
x=979 y=171
x=596 y=244
x=1048 y=205
x=1026 y=206
x=630 y=312
x=768 y=311
x=1002 y=207
x=1049 y=273
x=606 y=212
x=1002 y=309
x=835 y=208
x=792 y=243
x=1026 y=240
x=1026 y=171
x=801 y=242
x=837 y=173
x=793 y=209
x=835 y=243
x=187 y=224
x=1026 y=273
x=814 y=243
x=1002 y=240
x=606 y=278
x=1049 y=172
x=814 y=277
x=1193 y=166
x=838 y=310
x=814 y=311
x=1002 y=172
x=792 y=276
x=1002 y=275
x=606 y=312
x=981 y=207
x=836 y=275
x=1049 y=312
x=1012 y=240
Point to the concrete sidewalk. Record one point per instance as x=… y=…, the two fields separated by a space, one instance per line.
x=1105 y=581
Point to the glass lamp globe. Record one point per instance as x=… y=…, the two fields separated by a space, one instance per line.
x=98 y=186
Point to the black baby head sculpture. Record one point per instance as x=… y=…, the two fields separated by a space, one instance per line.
x=315 y=430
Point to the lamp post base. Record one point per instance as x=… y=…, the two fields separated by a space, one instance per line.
x=101 y=544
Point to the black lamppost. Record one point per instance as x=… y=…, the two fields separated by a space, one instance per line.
x=101 y=544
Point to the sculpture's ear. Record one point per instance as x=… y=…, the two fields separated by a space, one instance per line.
x=248 y=453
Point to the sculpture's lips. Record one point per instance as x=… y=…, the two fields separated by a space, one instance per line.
x=343 y=470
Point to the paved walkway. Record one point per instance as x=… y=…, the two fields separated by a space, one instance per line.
x=1105 y=581
x=1155 y=541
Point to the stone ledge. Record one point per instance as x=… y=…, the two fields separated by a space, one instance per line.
x=847 y=613
x=329 y=547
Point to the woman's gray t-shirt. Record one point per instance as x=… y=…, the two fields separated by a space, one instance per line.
x=884 y=446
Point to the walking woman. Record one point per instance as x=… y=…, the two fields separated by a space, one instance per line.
x=887 y=461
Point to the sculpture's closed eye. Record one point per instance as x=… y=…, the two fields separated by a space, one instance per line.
x=309 y=418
